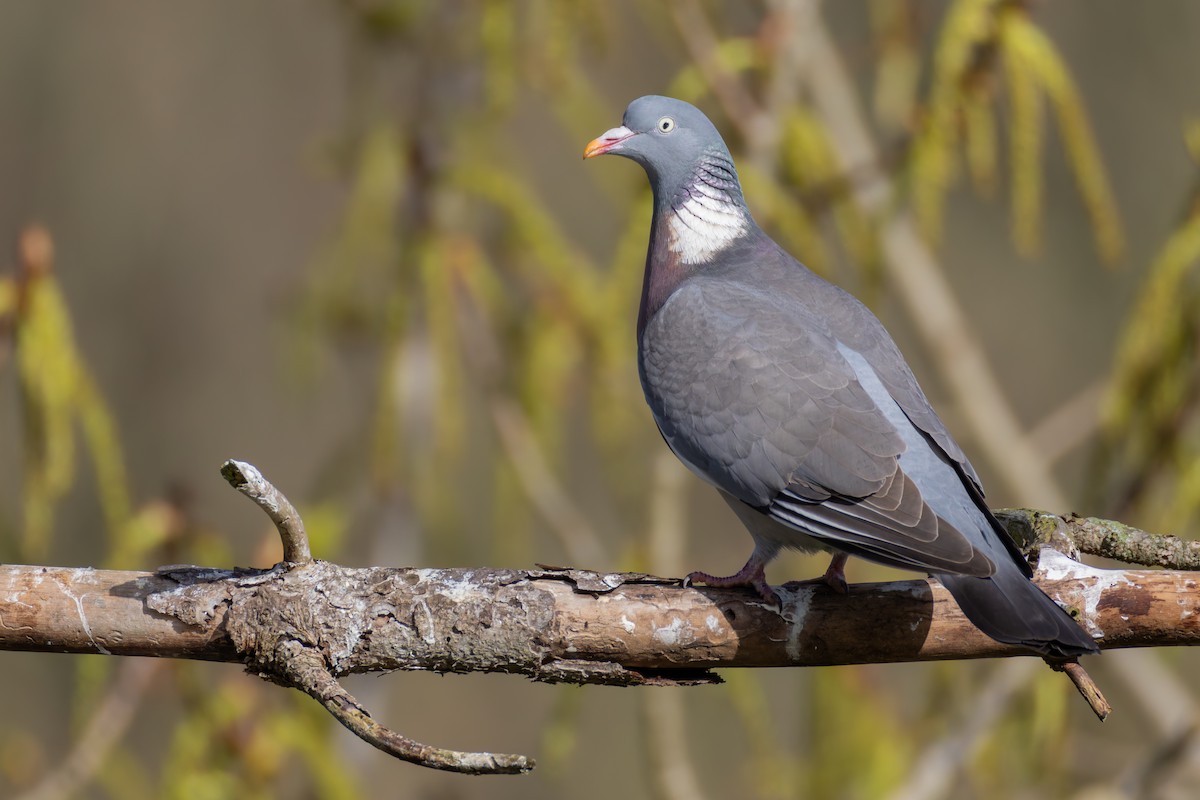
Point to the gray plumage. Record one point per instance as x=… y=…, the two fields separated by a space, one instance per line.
x=787 y=395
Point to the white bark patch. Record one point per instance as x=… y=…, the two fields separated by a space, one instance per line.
x=423 y=622
x=796 y=612
x=677 y=632
x=77 y=578
x=1056 y=566
x=1186 y=587
x=704 y=224
x=455 y=587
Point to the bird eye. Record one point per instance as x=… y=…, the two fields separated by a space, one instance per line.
x=666 y=125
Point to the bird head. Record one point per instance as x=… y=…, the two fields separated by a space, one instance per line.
x=697 y=196
x=669 y=138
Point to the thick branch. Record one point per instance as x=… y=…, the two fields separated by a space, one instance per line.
x=550 y=625
x=307 y=624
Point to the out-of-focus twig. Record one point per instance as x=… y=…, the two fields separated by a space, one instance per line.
x=104 y=730
x=702 y=45
x=785 y=28
x=545 y=491
x=1169 y=705
x=571 y=527
x=934 y=310
x=934 y=772
x=1071 y=424
x=1161 y=764
x=672 y=771
x=35 y=258
x=668 y=515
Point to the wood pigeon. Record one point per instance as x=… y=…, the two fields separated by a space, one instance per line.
x=786 y=394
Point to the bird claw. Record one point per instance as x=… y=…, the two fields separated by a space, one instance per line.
x=838 y=586
x=750 y=579
x=834 y=577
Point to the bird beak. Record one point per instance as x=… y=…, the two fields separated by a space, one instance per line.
x=605 y=142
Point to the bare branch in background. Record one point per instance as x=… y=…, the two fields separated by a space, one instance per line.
x=105 y=728
x=574 y=531
x=702 y=45
x=1069 y=426
x=922 y=286
x=935 y=771
x=545 y=492
x=673 y=774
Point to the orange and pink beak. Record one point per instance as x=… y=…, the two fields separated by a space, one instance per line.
x=605 y=142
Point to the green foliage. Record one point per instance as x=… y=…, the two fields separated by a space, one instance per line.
x=770 y=770
x=977 y=34
x=58 y=393
x=867 y=724
x=1033 y=58
x=1150 y=443
x=898 y=64
x=239 y=741
x=967 y=26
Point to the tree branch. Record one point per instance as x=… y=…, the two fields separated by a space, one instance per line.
x=249 y=481
x=554 y=625
x=549 y=625
x=306 y=624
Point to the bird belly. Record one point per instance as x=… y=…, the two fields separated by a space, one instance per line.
x=769 y=532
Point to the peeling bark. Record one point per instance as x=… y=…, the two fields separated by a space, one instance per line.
x=549 y=625
x=305 y=623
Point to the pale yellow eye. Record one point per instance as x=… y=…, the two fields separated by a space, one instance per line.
x=666 y=125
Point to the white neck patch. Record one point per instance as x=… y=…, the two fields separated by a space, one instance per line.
x=704 y=224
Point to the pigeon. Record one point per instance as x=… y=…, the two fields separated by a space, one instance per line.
x=787 y=395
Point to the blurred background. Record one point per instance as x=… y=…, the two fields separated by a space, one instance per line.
x=354 y=244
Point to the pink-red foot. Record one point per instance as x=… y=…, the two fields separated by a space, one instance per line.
x=751 y=576
x=834 y=577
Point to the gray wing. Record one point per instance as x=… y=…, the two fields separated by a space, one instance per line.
x=854 y=324
x=752 y=392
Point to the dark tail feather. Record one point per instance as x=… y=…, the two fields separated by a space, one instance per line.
x=1009 y=608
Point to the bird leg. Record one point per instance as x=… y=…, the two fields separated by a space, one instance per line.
x=751 y=576
x=834 y=577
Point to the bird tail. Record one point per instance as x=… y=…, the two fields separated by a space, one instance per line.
x=1009 y=608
